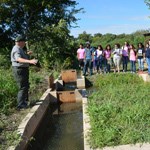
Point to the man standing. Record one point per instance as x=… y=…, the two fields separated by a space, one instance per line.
x=88 y=56
x=20 y=66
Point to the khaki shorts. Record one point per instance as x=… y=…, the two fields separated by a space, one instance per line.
x=117 y=61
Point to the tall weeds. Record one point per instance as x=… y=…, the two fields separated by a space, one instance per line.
x=119 y=111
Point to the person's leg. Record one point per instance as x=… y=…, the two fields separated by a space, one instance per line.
x=22 y=78
x=97 y=66
x=85 y=67
x=118 y=64
x=105 y=65
x=90 y=66
x=148 y=64
x=139 y=64
x=126 y=63
x=81 y=64
x=115 y=64
x=108 y=64
x=123 y=63
x=134 y=66
x=101 y=64
x=131 y=66
x=142 y=64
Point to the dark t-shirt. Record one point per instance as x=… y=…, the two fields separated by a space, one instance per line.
x=140 y=53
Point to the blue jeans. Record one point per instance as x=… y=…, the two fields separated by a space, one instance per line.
x=88 y=64
x=125 y=62
x=95 y=63
x=141 y=64
x=148 y=64
x=100 y=64
x=133 y=66
x=106 y=65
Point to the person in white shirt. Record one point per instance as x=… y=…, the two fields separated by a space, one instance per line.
x=100 y=58
x=117 y=57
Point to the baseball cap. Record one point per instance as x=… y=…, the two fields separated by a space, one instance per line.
x=20 y=38
x=87 y=43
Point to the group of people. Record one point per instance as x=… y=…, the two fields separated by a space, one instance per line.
x=102 y=60
x=98 y=59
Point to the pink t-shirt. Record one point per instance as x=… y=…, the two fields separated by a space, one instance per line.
x=132 y=55
x=107 y=53
x=80 y=53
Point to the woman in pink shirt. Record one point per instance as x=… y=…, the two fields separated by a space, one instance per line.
x=107 y=59
x=80 y=56
x=132 y=58
x=125 y=58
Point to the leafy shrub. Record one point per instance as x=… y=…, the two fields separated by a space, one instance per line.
x=8 y=90
x=4 y=61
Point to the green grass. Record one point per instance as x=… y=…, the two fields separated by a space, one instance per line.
x=9 y=117
x=9 y=89
x=119 y=111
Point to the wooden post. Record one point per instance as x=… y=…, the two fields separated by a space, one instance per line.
x=51 y=81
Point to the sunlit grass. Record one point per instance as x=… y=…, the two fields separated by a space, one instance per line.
x=119 y=111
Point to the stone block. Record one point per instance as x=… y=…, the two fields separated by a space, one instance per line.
x=69 y=75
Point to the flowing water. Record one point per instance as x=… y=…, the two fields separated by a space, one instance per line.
x=67 y=130
x=60 y=131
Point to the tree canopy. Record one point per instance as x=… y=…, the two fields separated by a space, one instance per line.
x=45 y=23
x=32 y=17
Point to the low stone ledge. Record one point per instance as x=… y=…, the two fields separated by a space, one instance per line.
x=145 y=77
x=30 y=123
x=144 y=146
x=81 y=82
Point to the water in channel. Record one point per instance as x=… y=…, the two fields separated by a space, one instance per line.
x=60 y=131
x=66 y=133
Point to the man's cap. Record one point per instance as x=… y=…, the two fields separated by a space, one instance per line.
x=20 y=38
x=87 y=43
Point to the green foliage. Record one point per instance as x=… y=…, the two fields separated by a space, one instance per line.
x=31 y=17
x=53 y=51
x=84 y=37
x=119 y=111
x=112 y=39
x=13 y=138
x=46 y=25
x=4 y=61
x=8 y=90
x=147 y=3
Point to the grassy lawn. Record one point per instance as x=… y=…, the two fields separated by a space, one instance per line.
x=119 y=111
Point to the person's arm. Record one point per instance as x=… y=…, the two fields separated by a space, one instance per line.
x=84 y=54
x=77 y=55
x=144 y=54
x=136 y=54
x=120 y=52
x=22 y=60
x=92 y=56
x=114 y=51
